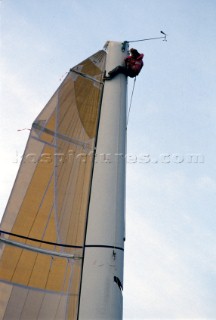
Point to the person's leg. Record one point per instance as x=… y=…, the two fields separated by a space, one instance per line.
x=115 y=71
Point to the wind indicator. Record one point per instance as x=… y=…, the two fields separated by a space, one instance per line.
x=146 y=39
x=165 y=35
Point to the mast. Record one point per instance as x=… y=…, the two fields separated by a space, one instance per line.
x=102 y=270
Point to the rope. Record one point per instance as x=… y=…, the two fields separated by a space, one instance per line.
x=40 y=241
x=131 y=100
x=23 y=129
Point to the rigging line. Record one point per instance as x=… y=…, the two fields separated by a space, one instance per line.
x=63 y=76
x=40 y=241
x=131 y=100
x=61 y=244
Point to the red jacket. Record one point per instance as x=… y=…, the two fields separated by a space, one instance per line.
x=134 y=65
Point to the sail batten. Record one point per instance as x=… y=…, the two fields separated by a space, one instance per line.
x=39 y=250
x=60 y=136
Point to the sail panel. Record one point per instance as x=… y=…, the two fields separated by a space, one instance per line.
x=38 y=270
x=27 y=303
x=47 y=208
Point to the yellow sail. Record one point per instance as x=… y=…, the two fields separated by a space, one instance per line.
x=43 y=227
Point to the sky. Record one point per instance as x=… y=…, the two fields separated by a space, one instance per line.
x=170 y=250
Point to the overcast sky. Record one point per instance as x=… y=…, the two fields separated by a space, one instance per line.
x=170 y=256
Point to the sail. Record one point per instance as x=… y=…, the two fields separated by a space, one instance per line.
x=43 y=227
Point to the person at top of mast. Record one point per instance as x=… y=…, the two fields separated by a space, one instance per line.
x=132 y=67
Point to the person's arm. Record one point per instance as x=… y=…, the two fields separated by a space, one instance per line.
x=127 y=60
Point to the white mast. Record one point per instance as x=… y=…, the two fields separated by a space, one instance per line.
x=101 y=294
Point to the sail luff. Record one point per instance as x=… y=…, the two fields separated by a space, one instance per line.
x=89 y=199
